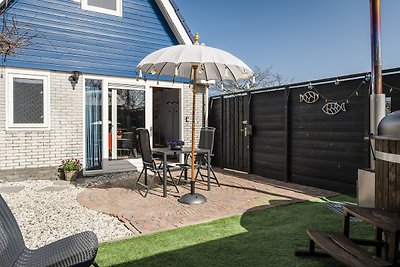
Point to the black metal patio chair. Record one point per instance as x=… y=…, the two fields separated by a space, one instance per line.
x=206 y=141
x=149 y=164
x=78 y=250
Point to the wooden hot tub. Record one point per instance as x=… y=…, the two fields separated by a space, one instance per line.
x=387 y=166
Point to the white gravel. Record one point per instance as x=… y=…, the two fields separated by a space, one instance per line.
x=46 y=216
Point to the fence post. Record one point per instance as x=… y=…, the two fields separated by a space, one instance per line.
x=249 y=136
x=221 y=126
x=287 y=135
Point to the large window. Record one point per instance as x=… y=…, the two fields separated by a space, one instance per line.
x=112 y=7
x=28 y=101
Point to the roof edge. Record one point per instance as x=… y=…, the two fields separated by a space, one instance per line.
x=175 y=20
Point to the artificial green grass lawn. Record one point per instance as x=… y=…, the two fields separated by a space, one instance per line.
x=267 y=237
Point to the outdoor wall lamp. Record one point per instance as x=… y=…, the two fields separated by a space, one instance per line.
x=75 y=76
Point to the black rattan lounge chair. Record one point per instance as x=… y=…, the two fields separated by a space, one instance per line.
x=77 y=250
x=149 y=163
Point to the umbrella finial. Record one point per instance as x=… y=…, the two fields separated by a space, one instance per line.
x=196 y=38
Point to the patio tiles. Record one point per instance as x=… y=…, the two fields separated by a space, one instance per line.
x=238 y=193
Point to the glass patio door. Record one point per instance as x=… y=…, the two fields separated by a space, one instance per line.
x=126 y=113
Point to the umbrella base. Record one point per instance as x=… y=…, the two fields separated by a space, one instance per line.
x=192 y=199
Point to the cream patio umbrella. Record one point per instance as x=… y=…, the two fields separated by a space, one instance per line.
x=194 y=62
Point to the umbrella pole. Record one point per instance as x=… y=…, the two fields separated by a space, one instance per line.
x=193 y=128
x=192 y=197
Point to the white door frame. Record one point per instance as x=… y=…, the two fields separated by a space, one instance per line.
x=180 y=108
x=148 y=111
x=114 y=114
x=148 y=85
x=113 y=119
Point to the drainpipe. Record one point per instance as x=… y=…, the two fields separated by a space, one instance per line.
x=377 y=98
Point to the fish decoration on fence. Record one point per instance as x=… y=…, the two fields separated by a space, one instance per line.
x=309 y=97
x=333 y=108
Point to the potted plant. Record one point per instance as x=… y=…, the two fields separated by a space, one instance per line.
x=71 y=168
x=175 y=144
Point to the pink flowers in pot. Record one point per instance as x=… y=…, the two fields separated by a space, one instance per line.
x=71 y=164
x=175 y=143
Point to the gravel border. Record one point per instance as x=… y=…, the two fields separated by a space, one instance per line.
x=48 y=210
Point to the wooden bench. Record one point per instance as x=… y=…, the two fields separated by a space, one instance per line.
x=383 y=222
x=342 y=249
x=348 y=251
x=377 y=217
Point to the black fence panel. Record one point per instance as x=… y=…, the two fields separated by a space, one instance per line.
x=235 y=150
x=293 y=139
x=327 y=150
x=268 y=139
x=391 y=88
x=215 y=120
x=228 y=116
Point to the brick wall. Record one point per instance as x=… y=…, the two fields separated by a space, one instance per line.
x=41 y=151
x=187 y=112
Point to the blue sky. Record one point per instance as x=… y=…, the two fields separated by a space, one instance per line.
x=300 y=39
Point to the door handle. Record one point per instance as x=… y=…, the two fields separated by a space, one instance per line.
x=245 y=131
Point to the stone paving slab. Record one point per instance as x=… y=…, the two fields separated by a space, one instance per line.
x=61 y=183
x=10 y=189
x=238 y=193
x=58 y=185
x=53 y=188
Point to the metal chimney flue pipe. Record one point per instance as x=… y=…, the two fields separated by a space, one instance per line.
x=377 y=98
x=375 y=14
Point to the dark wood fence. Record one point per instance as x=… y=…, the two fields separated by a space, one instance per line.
x=295 y=141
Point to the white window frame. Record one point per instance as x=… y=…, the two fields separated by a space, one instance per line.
x=118 y=12
x=45 y=77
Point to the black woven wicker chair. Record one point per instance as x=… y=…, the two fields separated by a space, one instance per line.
x=77 y=250
x=149 y=163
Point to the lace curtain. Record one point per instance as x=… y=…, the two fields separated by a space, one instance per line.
x=93 y=124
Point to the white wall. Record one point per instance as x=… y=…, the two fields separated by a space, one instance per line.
x=21 y=148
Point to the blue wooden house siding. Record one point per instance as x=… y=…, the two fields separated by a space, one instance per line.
x=70 y=38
